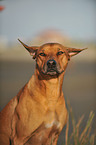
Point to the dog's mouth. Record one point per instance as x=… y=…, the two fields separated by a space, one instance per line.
x=52 y=71
x=51 y=68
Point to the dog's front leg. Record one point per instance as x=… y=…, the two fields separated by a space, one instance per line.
x=55 y=140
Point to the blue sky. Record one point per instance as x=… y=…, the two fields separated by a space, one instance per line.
x=26 y=18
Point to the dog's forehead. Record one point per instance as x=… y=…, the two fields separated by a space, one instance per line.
x=51 y=47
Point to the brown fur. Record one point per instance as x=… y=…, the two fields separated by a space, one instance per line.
x=38 y=113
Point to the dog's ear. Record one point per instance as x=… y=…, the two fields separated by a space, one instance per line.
x=32 y=49
x=73 y=51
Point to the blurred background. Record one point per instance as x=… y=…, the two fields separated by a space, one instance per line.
x=69 y=22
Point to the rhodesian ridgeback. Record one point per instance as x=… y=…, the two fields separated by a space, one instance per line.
x=38 y=113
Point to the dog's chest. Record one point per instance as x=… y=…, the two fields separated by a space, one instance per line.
x=47 y=132
x=43 y=122
x=51 y=119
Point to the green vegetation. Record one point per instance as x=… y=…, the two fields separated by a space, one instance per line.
x=77 y=137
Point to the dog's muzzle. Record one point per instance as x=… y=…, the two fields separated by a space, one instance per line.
x=51 y=67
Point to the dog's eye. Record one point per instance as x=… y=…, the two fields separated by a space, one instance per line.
x=60 y=52
x=42 y=54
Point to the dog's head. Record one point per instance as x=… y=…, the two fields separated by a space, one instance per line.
x=51 y=58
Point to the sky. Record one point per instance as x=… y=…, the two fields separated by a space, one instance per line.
x=27 y=18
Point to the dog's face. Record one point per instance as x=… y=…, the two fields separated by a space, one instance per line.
x=51 y=58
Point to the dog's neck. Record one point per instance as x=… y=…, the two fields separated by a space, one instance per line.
x=50 y=88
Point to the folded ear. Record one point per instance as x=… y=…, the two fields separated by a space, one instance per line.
x=74 y=51
x=32 y=49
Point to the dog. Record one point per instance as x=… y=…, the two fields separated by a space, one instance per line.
x=38 y=113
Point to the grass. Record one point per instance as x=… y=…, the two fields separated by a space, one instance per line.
x=77 y=137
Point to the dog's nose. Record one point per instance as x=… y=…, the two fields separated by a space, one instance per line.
x=51 y=63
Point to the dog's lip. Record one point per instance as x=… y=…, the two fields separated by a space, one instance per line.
x=52 y=72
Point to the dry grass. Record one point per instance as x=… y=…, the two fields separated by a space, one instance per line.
x=79 y=138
